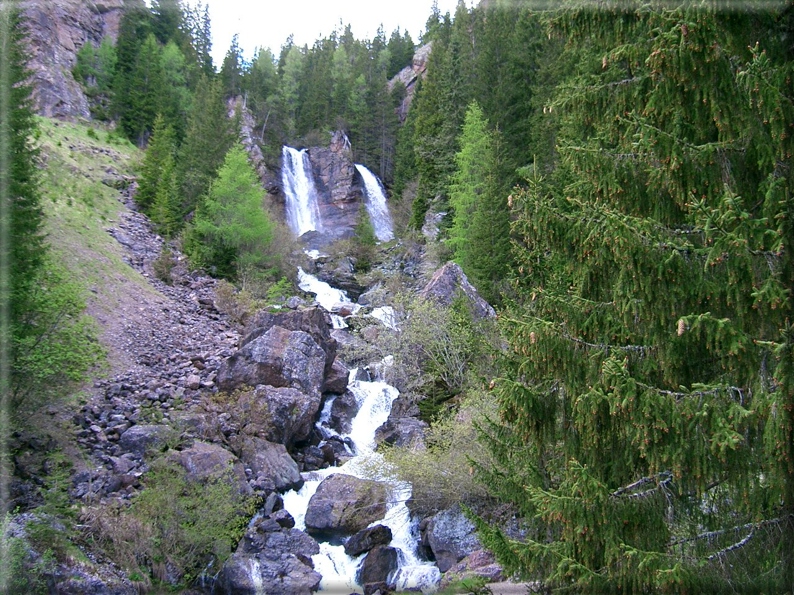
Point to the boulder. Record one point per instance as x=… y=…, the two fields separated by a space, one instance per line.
x=481 y=564
x=250 y=574
x=343 y=505
x=336 y=379
x=279 y=357
x=379 y=563
x=343 y=410
x=138 y=439
x=269 y=460
x=448 y=283
x=281 y=415
x=205 y=462
x=365 y=540
x=402 y=432
x=451 y=537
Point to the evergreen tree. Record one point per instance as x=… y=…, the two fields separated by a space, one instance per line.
x=161 y=147
x=232 y=70
x=480 y=232
x=145 y=93
x=208 y=137
x=647 y=399
x=166 y=209
x=231 y=231
x=134 y=28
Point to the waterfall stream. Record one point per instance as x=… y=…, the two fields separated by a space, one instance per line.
x=375 y=399
x=303 y=210
x=376 y=205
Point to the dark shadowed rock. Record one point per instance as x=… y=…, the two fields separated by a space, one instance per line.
x=448 y=283
x=281 y=415
x=279 y=357
x=343 y=410
x=365 y=540
x=379 y=563
x=336 y=379
x=343 y=505
x=451 y=537
x=269 y=460
x=402 y=432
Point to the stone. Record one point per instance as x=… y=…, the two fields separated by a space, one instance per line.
x=193 y=382
x=139 y=439
x=205 y=462
x=270 y=460
x=245 y=574
x=378 y=564
x=481 y=564
x=343 y=505
x=402 y=432
x=336 y=379
x=365 y=540
x=281 y=415
x=280 y=358
x=343 y=410
x=409 y=76
x=448 y=283
x=451 y=537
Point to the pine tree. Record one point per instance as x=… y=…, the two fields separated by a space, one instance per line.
x=161 y=147
x=231 y=231
x=647 y=399
x=209 y=135
x=480 y=232
x=166 y=208
x=145 y=94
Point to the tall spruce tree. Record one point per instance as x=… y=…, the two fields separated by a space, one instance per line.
x=647 y=400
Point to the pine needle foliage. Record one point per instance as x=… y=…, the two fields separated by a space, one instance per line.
x=646 y=427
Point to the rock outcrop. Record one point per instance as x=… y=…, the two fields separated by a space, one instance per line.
x=55 y=33
x=408 y=76
x=365 y=540
x=450 y=282
x=451 y=537
x=338 y=186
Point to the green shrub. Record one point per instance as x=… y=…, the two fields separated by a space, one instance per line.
x=163 y=265
x=174 y=528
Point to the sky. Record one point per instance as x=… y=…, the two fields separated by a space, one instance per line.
x=267 y=23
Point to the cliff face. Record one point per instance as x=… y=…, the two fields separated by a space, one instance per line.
x=338 y=185
x=56 y=30
x=408 y=77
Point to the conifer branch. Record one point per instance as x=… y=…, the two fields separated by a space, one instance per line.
x=659 y=480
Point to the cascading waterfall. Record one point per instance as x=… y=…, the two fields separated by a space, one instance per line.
x=303 y=211
x=376 y=205
x=375 y=399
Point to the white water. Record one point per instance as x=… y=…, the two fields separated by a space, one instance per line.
x=303 y=211
x=375 y=400
x=376 y=205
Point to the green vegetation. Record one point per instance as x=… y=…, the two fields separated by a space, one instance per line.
x=175 y=528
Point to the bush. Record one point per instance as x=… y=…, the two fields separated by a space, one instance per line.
x=163 y=265
x=174 y=528
x=442 y=473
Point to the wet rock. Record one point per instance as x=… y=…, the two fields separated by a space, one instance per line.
x=402 y=432
x=379 y=563
x=343 y=505
x=448 y=283
x=343 y=410
x=247 y=574
x=451 y=537
x=365 y=540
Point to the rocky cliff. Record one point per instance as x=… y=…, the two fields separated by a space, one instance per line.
x=408 y=76
x=56 y=30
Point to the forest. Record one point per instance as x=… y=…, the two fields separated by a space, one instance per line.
x=615 y=178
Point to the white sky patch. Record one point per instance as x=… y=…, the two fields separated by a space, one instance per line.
x=268 y=23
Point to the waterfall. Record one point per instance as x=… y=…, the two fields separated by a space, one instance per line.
x=303 y=211
x=376 y=205
x=375 y=399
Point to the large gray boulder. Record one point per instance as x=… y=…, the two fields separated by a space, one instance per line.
x=343 y=505
x=279 y=357
x=365 y=540
x=448 y=283
x=250 y=574
x=451 y=537
x=269 y=461
x=142 y=438
x=281 y=415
